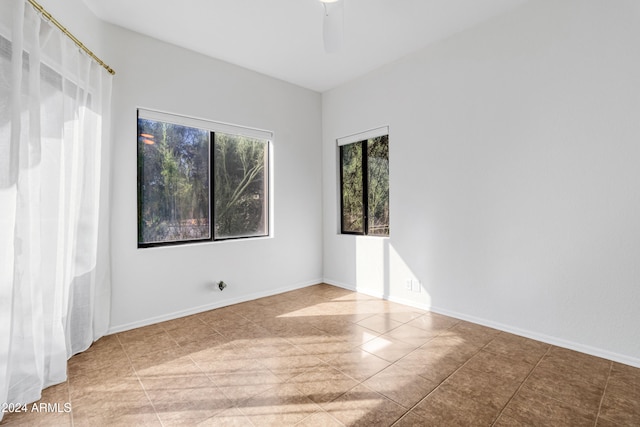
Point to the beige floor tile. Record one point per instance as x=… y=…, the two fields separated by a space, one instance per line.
x=325 y=317
x=211 y=342
x=452 y=345
x=293 y=306
x=193 y=321
x=411 y=334
x=400 y=385
x=531 y=408
x=127 y=406
x=447 y=406
x=144 y=417
x=358 y=364
x=111 y=379
x=223 y=318
x=347 y=331
x=186 y=334
x=353 y=313
x=332 y=292
x=231 y=417
x=323 y=383
x=354 y=296
x=289 y=327
x=173 y=361
x=148 y=344
x=135 y=335
x=500 y=367
x=312 y=313
x=287 y=367
x=225 y=358
x=283 y=405
x=268 y=347
x=621 y=402
x=517 y=348
x=626 y=374
x=489 y=389
x=574 y=365
x=259 y=314
x=362 y=406
x=388 y=348
x=319 y=419
x=434 y=322
x=324 y=347
x=410 y=420
x=603 y=422
x=380 y=323
x=471 y=333
x=103 y=353
x=184 y=400
x=268 y=302
x=438 y=358
x=406 y=314
x=565 y=387
x=240 y=333
x=244 y=384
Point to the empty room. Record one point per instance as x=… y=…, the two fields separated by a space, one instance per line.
x=320 y=212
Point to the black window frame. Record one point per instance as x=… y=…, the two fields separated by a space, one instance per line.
x=365 y=189
x=211 y=193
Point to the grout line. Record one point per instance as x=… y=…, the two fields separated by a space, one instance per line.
x=442 y=331
x=321 y=411
x=448 y=376
x=521 y=385
x=604 y=391
x=155 y=411
x=246 y=417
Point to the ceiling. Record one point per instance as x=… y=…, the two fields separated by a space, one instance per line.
x=283 y=38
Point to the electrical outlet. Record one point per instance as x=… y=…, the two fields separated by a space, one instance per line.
x=408 y=284
x=416 y=286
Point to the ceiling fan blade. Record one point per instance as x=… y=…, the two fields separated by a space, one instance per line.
x=333 y=26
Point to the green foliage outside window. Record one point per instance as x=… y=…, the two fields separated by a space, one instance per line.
x=240 y=186
x=365 y=202
x=175 y=197
x=378 y=188
x=352 y=201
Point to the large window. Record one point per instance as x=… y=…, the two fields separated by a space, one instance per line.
x=364 y=185
x=200 y=180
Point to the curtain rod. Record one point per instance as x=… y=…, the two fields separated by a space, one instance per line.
x=53 y=20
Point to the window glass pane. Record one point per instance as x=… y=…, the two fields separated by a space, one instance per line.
x=378 y=201
x=240 y=186
x=173 y=183
x=352 y=188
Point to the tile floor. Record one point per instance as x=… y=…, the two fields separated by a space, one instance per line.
x=325 y=356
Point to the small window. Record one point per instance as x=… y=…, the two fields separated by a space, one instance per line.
x=200 y=181
x=364 y=186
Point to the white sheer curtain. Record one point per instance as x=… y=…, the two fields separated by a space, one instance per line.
x=54 y=177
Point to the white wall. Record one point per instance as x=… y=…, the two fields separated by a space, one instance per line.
x=515 y=176
x=150 y=285
x=159 y=283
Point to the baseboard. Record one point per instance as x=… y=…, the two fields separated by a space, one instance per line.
x=207 y=307
x=558 y=342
